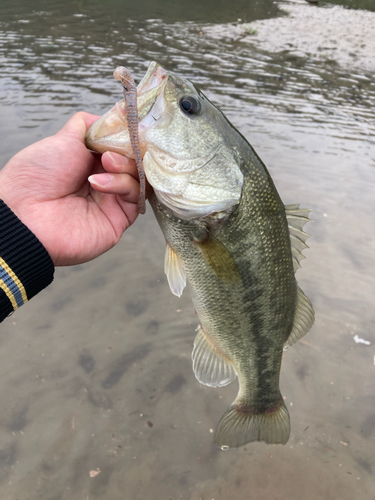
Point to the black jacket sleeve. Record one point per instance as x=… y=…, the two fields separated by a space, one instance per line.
x=25 y=265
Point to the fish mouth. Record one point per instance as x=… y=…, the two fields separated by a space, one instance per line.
x=110 y=131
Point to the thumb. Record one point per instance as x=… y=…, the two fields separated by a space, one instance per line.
x=78 y=124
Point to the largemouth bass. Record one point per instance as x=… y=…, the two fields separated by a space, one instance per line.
x=228 y=233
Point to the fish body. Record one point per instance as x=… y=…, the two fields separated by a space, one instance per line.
x=228 y=233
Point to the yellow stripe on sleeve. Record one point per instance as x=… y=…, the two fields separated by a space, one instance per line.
x=9 y=294
x=6 y=268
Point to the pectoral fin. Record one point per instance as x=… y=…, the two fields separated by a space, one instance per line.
x=174 y=270
x=219 y=259
x=210 y=365
x=303 y=319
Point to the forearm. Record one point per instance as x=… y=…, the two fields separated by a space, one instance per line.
x=25 y=266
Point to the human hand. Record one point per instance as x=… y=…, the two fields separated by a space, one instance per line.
x=46 y=185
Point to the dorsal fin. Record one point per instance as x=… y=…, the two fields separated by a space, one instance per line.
x=297 y=218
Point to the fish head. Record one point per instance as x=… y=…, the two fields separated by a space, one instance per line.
x=184 y=142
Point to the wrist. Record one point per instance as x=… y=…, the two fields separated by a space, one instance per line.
x=25 y=265
x=16 y=200
x=3 y=195
x=19 y=207
x=6 y=192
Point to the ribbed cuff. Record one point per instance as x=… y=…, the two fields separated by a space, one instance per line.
x=25 y=265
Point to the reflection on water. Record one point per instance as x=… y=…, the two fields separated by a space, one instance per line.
x=96 y=374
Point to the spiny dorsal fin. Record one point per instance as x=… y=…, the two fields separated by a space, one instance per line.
x=210 y=365
x=174 y=270
x=297 y=218
x=303 y=319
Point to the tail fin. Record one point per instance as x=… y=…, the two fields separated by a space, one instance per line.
x=239 y=426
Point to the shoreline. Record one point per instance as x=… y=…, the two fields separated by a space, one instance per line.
x=344 y=36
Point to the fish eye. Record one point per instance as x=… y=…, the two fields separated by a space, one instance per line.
x=190 y=105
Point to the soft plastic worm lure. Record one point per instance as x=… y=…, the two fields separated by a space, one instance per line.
x=130 y=94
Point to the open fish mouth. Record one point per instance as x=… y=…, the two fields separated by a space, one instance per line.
x=110 y=132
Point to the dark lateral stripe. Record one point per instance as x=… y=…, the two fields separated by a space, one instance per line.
x=25 y=265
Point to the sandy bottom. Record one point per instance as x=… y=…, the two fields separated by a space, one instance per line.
x=331 y=33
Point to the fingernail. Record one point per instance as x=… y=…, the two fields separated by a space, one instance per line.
x=100 y=179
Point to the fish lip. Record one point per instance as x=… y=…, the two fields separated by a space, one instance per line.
x=149 y=88
x=154 y=70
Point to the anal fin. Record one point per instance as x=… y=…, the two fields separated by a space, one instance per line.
x=303 y=319
x=210 y=365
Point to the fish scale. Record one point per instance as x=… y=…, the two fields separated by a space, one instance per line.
x=267 y=284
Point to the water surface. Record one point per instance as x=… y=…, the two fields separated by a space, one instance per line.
x=96 y=372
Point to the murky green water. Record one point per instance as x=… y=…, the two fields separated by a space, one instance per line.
x=96 y=372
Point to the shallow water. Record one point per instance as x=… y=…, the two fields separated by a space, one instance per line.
x=96 y=372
